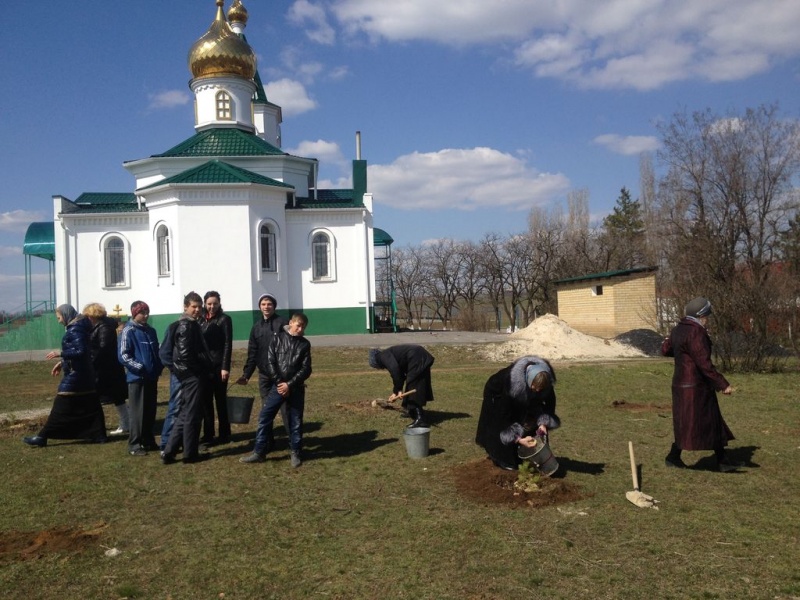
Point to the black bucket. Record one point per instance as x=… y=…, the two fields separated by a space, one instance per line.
x=239 y=409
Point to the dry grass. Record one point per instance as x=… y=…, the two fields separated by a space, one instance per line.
x=361 y=520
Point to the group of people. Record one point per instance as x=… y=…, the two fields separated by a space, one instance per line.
x=518 y=409
x=519 y=401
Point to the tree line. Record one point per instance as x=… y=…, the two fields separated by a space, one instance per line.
x=721 y=220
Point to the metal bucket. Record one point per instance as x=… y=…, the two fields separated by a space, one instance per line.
x=239 y=409
x=418 y=440
x=541 y=457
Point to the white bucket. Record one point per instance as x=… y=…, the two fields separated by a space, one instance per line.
x=418 y=440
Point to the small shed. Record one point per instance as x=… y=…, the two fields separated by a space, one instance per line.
x=608 y=304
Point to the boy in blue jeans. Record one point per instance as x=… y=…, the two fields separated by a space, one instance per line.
x=289 y=365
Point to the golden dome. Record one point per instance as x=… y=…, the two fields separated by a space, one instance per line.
x=221 y=51
x=237 y=13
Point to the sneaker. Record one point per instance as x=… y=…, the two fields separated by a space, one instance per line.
x=295 y=458
x=674 y=463
x=118 y=431
x=138 y=452
x=253 y=458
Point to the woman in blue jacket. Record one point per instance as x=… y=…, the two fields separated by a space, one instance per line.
x=76 y=413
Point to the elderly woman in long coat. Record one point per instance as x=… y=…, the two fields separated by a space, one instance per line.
x=696 y=417
x=518 y=401
x=76 y=412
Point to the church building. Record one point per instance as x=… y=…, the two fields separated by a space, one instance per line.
x=225 y=209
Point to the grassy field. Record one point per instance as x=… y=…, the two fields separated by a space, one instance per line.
x=360 y=519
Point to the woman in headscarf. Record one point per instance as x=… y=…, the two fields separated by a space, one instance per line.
x=76 y=412
x=518 y=402
x=696 y=417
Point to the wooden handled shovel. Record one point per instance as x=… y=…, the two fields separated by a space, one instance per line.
x=388 y=403
x=635 y=496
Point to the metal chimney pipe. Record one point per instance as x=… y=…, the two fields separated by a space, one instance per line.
x=358 y=145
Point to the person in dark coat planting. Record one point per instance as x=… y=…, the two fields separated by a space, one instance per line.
x=519 y=402
x=696 y=417
x=76 y=412
x=409 y=366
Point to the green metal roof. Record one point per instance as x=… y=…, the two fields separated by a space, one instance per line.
x=40 y=240
x=222 y=142
x=330 y=199
x=216 y=171
x=381 y=238
x=103 y=202
x=607 y=275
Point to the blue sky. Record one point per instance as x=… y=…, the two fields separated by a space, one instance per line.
x=471 y=111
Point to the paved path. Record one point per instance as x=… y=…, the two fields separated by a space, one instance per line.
x=424 y=338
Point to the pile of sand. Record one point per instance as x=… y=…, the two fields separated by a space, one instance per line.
x=551 y=338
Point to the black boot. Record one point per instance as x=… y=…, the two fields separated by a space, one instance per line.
x=673 y=459
x=418 y=415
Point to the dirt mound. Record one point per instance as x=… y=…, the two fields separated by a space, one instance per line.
x=483 y=482
x=20 y=545
x=646 y=340
x=551 y=338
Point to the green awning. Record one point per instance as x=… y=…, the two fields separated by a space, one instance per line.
x=40 y=240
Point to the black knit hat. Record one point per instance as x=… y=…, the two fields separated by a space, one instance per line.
x=699 y=307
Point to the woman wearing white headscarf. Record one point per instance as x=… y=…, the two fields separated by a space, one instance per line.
x=76 y=413
x=518 y=402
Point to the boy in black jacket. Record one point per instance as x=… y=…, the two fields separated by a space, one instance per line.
x=289 y=365
x=191 y=364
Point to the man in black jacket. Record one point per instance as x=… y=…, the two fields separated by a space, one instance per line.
x=289 y=365
x=257 y=347
x=192 y=366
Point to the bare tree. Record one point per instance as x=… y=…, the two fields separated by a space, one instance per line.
x=443 y=263
x=724 y=202
x=408 y=276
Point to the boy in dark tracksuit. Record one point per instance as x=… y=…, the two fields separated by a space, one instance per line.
x=289 y=365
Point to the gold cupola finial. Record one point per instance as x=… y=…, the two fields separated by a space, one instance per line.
x=220 y=51
x=237 y=13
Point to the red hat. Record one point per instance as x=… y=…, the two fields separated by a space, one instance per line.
x=139 y=306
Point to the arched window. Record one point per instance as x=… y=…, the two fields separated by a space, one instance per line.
x=114 y=257
x=224 y=107
x=163 y=251
x=321 y=256
x=269 y=259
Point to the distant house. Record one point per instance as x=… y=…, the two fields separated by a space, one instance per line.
x=608 y=304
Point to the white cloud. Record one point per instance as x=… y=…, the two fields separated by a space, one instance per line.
x=627 y=145
x=168 y=99
x=639 y=44
x=290 y=95
x=328 y=153
x=303 y=12
x=18 y=220
x=12 y=290
x=464 y=179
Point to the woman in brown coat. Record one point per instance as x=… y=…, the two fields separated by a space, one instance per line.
x=696 y=418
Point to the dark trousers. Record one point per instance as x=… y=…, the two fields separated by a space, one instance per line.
x=219 y=398
x=295 y=405
x=264 y=388
x=142 y=401
x=186 y=430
